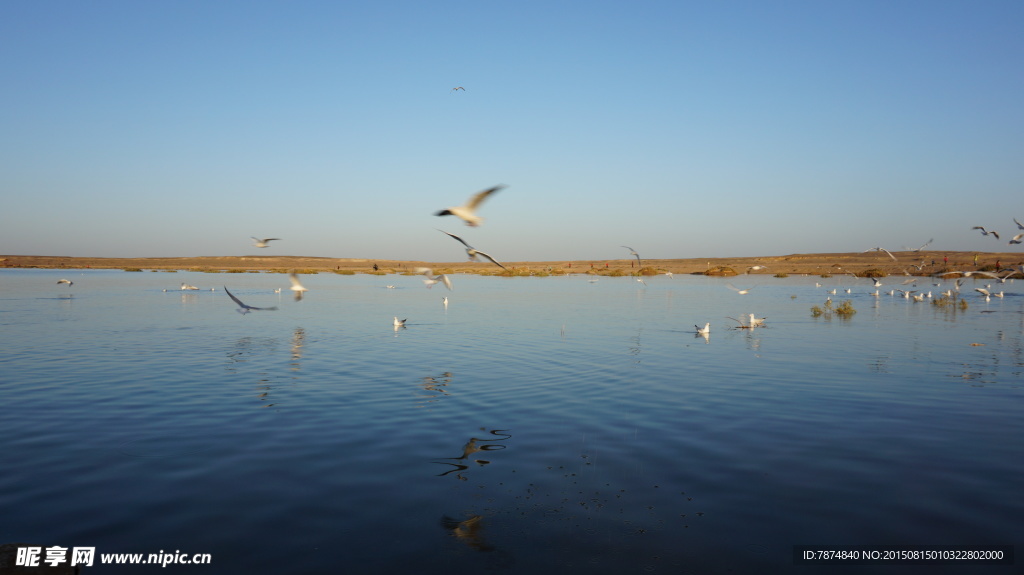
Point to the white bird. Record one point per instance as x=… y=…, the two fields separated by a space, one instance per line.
x=185 y=286
x=399 y=322
x=757 y=321
x=877 y=283
x=641 y=280
x=444 y=301
x=430 y=279
x=669 y=274
x=1016 y=239
x=756 y=268
x=880 y=249
x=65 y=281
x=738 y=290
x=983 y=291
x=632 y=252
x=706 y=330
x=473 y=252
x=262 y=243
x=468 y=212
x=242 y=308
x=297 y=286
x=984 y=232
x=926 y=244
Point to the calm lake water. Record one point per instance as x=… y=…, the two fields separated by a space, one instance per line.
x=534 y=425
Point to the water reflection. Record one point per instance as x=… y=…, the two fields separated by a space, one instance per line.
x=467 y=531
x=298 y=340
x=474 y=445
x=434 y=388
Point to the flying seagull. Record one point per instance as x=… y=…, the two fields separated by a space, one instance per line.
x=297 y=286
x=756 y=268
x=632 y=252
x=926 y=244
x=880 y=249
x=430 y=279
x=473 y=252
x=458 y=88
x=262 y=243
x=242 y=308
x=468 y=212
x=65 y=281
x=985 y=232
x=1020 y=226
x=1016 y=239
x=738 y=290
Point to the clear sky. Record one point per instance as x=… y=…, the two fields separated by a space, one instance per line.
x=682 y=129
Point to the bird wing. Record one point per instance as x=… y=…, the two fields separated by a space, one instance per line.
x=926 y=244
x=982 y=291
x=456 y=237
x=235 y=299
x=481 y=196
x=447 y=282
x=295 y=280
x=423 y=271
x=480 y=253
x=1020 y=226
x=995 y=233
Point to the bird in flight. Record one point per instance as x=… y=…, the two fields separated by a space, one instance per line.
x=468 y=212
x=65 y=281
x=262 y=243
x=242 y=308
x=985 y=232
x=880 y=249
x=473 y=252
x=430 y=279
x=456 y=88
x=738 y=290
x=1016 y=239
x=926 y=244
x=297 y=286
x=632 y=252
x=1020 y=226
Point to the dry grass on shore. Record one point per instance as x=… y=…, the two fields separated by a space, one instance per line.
x=871 y=263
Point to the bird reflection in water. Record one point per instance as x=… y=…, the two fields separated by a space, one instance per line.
x=298 y=340
x=474 y=445
x=435 y=387
x=467 y=531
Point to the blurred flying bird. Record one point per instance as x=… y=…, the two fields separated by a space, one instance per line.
x=262 y=243
x=880 y=249
x=473 y=252
x=632 y=252
x=430 y=279
x=984 y=232
x=65 y=281
x=468 y=212
x=297 y=286
x=738 y=290
x=242 y=308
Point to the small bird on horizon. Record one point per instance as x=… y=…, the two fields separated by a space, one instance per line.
x=262 y=243
x=467 y=213
x=243 y=308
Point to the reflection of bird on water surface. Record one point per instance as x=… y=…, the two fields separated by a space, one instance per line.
x=474 y=446
x=467 y=531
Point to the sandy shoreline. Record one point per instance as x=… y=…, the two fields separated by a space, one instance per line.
x=821 y=263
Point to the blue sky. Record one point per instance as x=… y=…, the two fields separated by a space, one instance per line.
x=682 y=129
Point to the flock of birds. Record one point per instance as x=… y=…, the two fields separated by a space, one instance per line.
x=467 y=213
